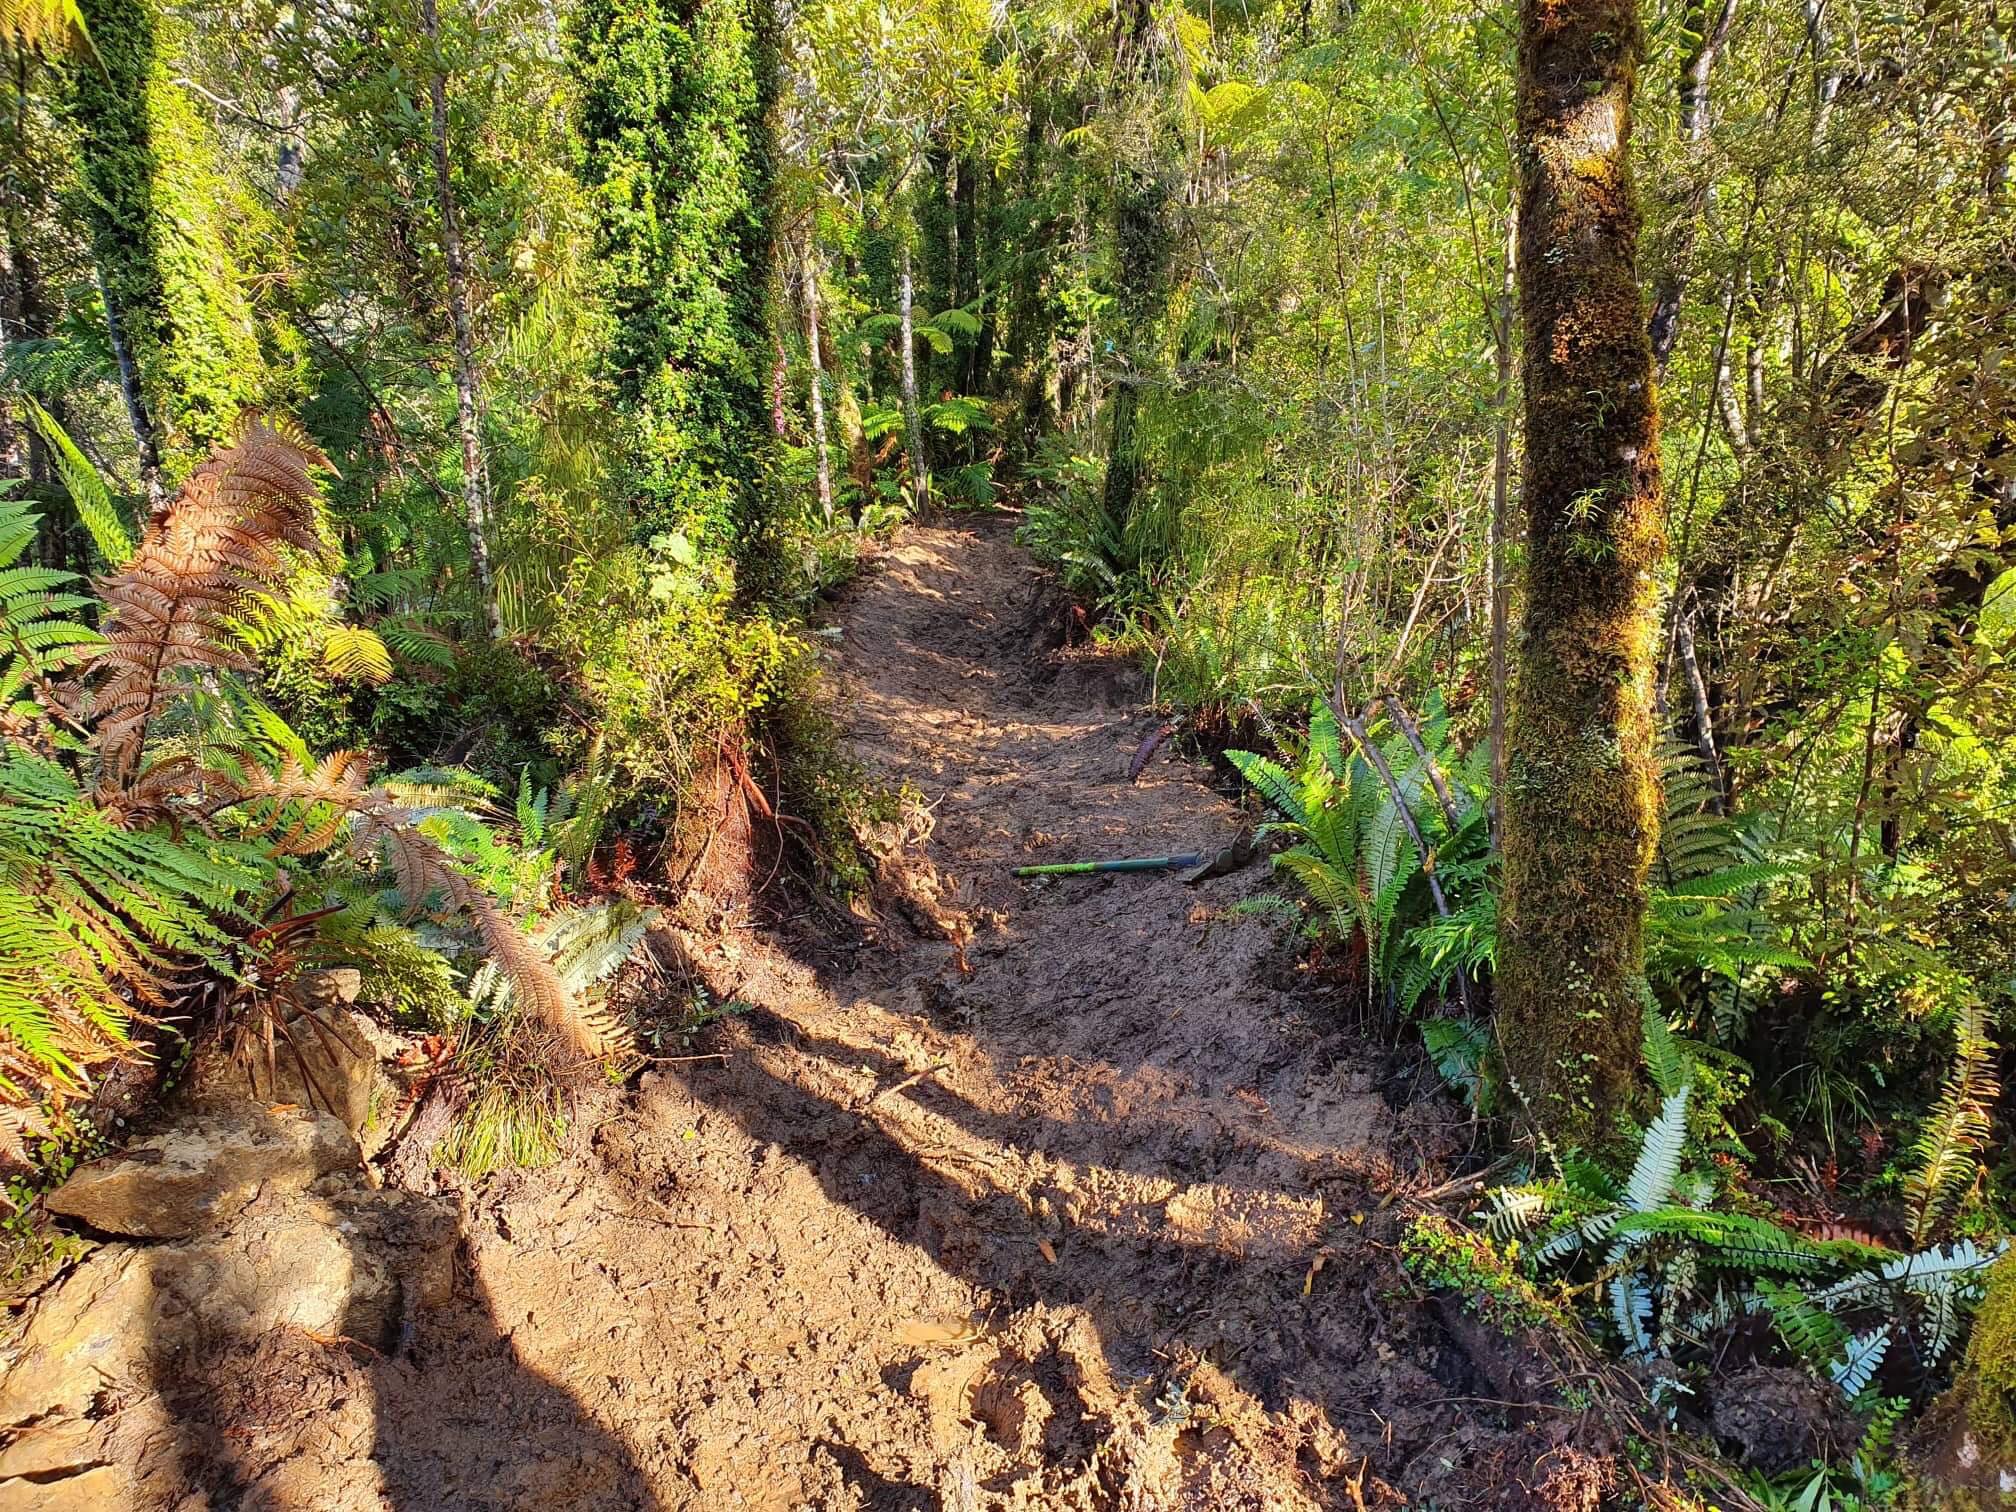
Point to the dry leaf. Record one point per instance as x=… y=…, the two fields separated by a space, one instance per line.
x=1309 y=1281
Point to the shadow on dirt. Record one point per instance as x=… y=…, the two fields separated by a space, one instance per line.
x=1317 y=1313
x=290 y=1420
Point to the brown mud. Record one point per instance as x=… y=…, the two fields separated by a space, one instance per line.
x=1058 y=1194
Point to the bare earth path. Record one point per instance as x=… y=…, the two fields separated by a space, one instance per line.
x=1104 y=1219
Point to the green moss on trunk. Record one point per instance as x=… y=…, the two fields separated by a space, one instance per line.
x=675 y=147
x=1581 y=806
x=1145 y=238
x=165 y=222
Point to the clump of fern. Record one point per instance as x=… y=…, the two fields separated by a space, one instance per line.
x=159 y=823
x=1353 y=851
x=516 y=1108
x=1674 y=1269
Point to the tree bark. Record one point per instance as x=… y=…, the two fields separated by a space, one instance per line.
x=117 y=167
x=824 y=465
x=1501 y=515
x=1694 y=122
x=138 y=417
x=468 y=417
x=1141 y=226
x=913 y=420
x=1582 y=803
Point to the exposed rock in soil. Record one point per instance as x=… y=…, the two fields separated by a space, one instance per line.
x=352 y=1264
x=204 y=1366
x=202 y=1169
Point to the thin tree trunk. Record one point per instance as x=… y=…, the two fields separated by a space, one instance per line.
x=1704 y=711
x=818 y=367
x=137 y=416
x=468 y=417
x=1501 y=522
x=1581 y=809
x=913 y=420
x=1694 y=124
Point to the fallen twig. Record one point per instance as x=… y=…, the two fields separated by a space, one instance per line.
x=909 y=1081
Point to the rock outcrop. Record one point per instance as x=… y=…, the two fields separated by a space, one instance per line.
x=203 y=1169
x=257 y=1265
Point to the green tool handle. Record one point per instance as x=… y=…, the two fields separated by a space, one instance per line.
x=1133 y=864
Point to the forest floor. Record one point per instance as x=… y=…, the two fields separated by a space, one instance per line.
x=1067 y=1193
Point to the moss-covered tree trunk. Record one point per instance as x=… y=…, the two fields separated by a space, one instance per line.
x=109 y=105
x=1144 y=234
x=673 y=106
x=165 y=221
x=1581 y=808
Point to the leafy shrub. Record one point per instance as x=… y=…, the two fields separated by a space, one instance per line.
x=669 y=659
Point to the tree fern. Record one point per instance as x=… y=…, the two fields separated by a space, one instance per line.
x=95 y=918
x=170 y=610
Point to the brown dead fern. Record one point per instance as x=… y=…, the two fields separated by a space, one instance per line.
x=223 y=538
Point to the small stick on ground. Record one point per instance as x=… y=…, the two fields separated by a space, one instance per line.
x=909 y=1081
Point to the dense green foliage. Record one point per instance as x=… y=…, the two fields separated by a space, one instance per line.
x=674 y=125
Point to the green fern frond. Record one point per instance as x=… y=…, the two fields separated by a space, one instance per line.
x=1669 y=1065
x=1651 y=1181
x=1810 y=1331
x=88 y=494
x=1946 y=1154
x=1750 y=1244
x=1860 y=1361
x=1274 y=784
x=355 y=654
x=1326 y=737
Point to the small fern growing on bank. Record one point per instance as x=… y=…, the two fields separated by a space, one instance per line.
x=1946 y=1155
x=1674 y=1271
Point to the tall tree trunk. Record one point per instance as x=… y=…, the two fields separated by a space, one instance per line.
x=109 y=104
x=1141 y=224
x=913 y=420
x=966 y=214
x=138 y=418
x=1501 y=513
x=824 y=464
x=1694 y=123
x=468 y=418
x=1581 y=811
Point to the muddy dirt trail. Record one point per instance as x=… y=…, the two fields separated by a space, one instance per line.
x=1047 y=1194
